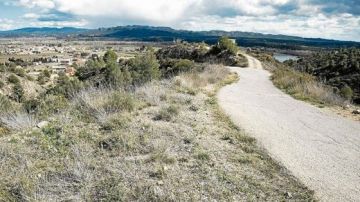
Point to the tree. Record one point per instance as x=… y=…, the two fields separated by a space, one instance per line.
x=91 y=68
x=226 y=44
x=117 y=76
x=144 y=67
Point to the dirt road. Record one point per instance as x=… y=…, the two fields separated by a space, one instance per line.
x=321 y=149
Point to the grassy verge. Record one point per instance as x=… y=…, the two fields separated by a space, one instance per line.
x=300 y=85
x=305 y=87
x=165 y=141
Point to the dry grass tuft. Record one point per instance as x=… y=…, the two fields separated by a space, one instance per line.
x=101 y=103
x=18 y=121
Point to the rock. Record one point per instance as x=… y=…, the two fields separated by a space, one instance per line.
x=357 y=111
x=160 y=183
x=42 y=124
x=346 y=107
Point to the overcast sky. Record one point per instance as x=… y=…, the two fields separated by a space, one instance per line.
x=335 y=19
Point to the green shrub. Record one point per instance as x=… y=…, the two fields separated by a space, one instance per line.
x=2 y=68
x=2 y=84
x=31 y=106
x=13 y=79
x=5 y=104
x=18 y=93
x=167 y=113
x=52 y=104
x=46 y=73
x=226 y=44
x=119 y=101
x=20 y=72
x=91 y=68
x=202 y=156
x=109 y=189
x=144 y=68
x=118 y=76
x=30 y=78
x=41 y=79
x=66 y=86
x=346 y=92
x=110 y=57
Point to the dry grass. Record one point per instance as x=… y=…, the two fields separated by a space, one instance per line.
x=101 y=103
x=18 y=121
x=199 y=155
x=305 y=87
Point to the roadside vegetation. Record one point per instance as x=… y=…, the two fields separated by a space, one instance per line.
x=338 y=68
x=301 y=85
x=134 y=130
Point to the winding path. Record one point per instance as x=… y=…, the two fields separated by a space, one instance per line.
x=320 y=148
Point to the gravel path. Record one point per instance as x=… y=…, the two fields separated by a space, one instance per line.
x=320 y=148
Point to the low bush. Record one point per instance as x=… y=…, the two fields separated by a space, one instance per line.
x=20 y=72
x=13 y=79
x=5 y=104
x=18 y=93
x=167 y=113
x=346 y=92
x=119 y=101
x=173 y=67
x=2 y=68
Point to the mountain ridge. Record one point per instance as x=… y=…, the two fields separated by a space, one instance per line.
x=165 y=34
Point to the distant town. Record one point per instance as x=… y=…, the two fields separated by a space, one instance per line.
x=59 y=56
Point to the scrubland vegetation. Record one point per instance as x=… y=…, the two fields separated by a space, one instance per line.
x=337 y=68
x=134 y=130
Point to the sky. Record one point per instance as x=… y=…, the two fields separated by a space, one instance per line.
x=331 y=19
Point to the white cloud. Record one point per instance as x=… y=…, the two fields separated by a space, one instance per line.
x=46 y=4
x=31 y=16
x=6 y=24
x=79 y=23
x=342 y=26
x=294 y=17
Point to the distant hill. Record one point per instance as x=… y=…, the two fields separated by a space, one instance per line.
x=148 y=33
x=42 y=31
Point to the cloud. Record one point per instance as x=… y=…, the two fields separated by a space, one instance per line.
x=340 y=18
x=6 y=24
x=341 y=26
x=47 y=4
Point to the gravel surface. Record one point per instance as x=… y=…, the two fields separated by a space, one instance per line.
x=320 y=148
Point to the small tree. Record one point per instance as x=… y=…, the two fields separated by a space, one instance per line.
x=226 y=44
x=144 y=67
x=117 y=76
